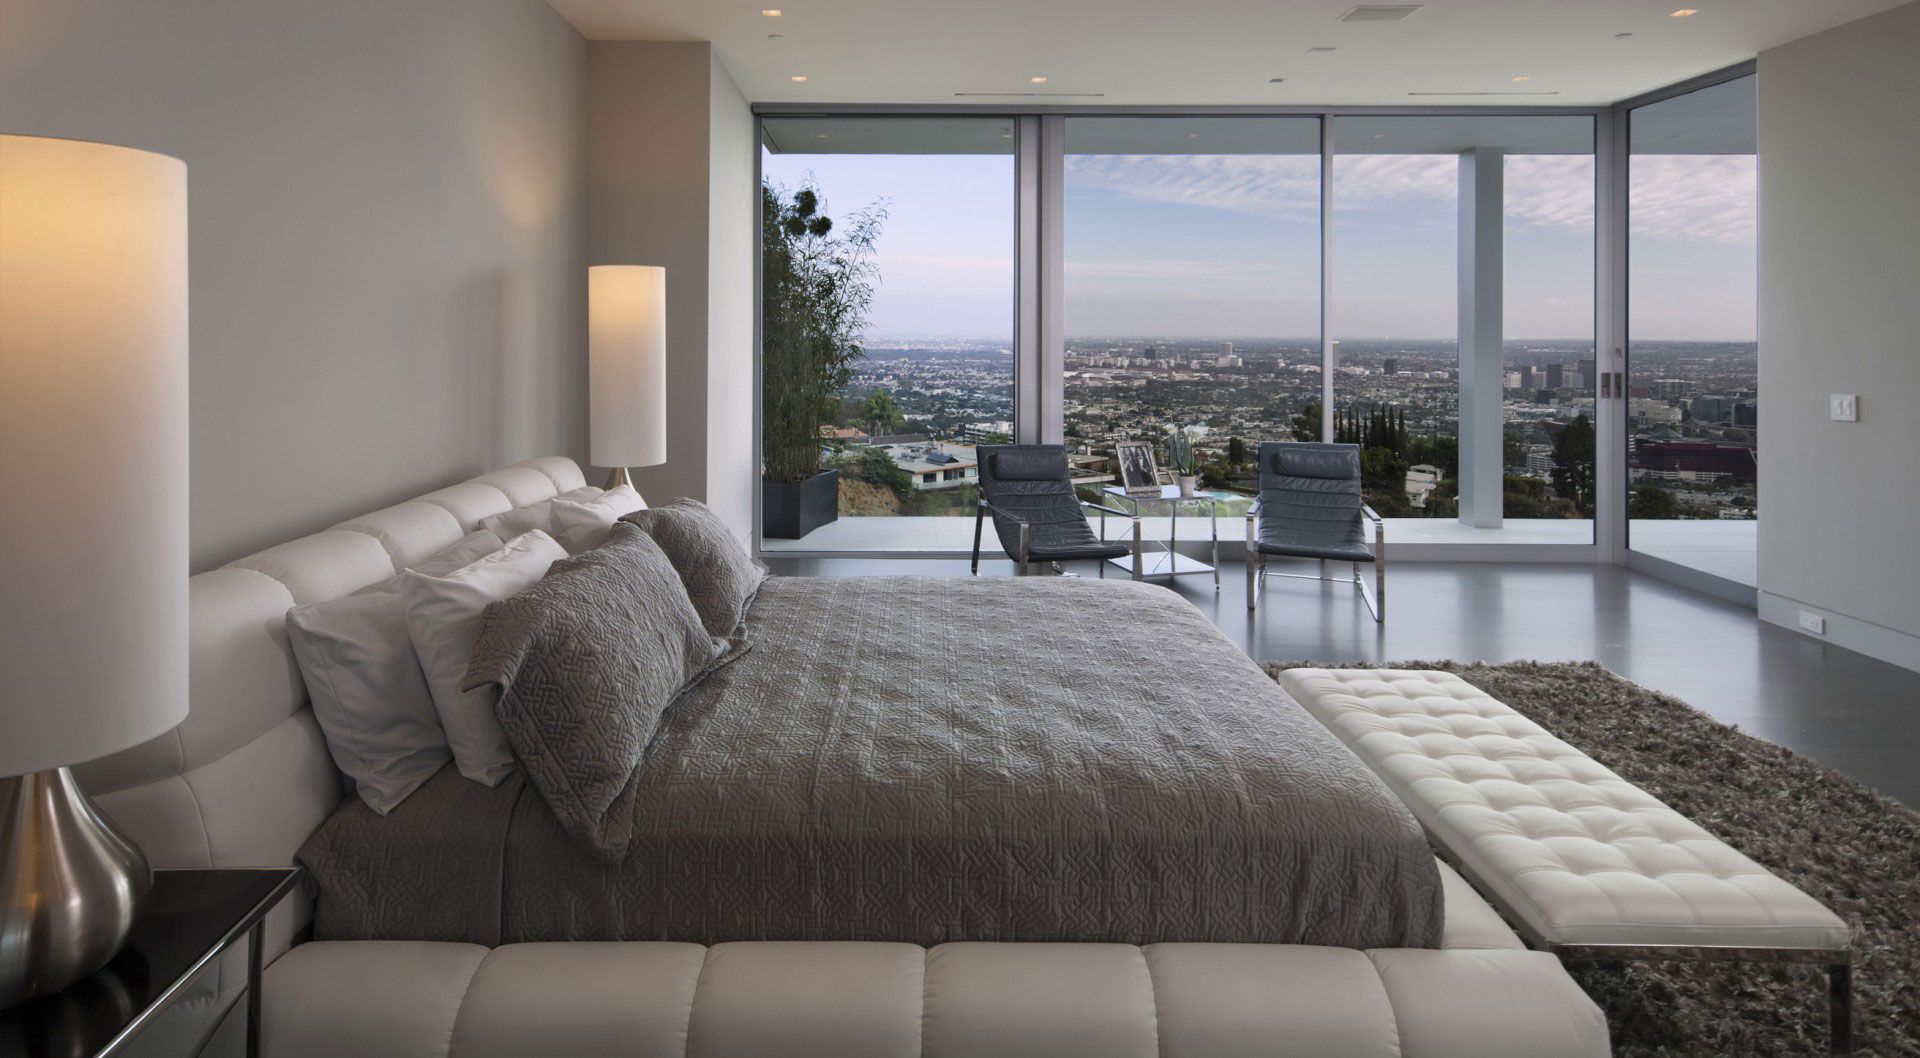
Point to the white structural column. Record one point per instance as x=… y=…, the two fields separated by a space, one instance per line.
x=1482 y=352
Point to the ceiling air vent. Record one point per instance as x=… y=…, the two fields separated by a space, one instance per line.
x=1380 y=13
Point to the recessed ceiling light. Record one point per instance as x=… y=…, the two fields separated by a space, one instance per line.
x=1321 y=50
x=1686 y=12
x=771 y=12
x=1621 y=36
x=820 y=135
x=1379 y=13
x=1193 y=135
x=774 y=36
x=1276 y=80
x=1523 y=78
x=1037 y=80
x=798 y=78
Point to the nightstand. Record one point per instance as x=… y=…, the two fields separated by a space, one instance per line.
x=190 y=918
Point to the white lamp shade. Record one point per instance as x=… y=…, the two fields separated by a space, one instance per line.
x=93 y=450
x=627 y=365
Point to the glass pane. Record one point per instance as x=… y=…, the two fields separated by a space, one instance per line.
x=888 y=335
x=1396 y=316
x=1693 y=389
x=1192 y=289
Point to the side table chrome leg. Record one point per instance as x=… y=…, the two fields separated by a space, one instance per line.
x=256 y=939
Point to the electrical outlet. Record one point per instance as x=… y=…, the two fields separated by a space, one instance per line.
x=1844 y=407
x=1813 y=622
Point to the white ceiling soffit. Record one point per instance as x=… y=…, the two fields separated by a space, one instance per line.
x=1515 y=134
x=1216 y=52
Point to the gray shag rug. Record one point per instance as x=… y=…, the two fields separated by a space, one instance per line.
x=1853 y=849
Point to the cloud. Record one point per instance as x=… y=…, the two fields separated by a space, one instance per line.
x=1700 y=198
x=1695 y=197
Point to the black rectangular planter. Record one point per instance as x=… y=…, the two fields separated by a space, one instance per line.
x=789 y=512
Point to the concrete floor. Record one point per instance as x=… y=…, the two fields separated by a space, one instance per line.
x=1849 y=711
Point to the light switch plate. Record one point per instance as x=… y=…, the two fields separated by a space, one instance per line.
x=1844 y=407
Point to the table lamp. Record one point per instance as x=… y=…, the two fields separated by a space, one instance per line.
x=626 y=368
x=93 y=468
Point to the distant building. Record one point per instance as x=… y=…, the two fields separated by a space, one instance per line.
x=1390 y=366
x=1648 y=410
x=982 y=432
x=936 y=464
x=1540 y=460
x=887 y=440
x=1695 y=458
x=843 y=434
x=1422 y=479
x=1556 y=376
x=1589 y=374
x=1714 y=407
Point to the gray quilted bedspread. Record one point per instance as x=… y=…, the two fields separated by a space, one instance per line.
x=926 y=760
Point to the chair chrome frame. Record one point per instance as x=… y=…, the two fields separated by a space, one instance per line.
x=1024 y=564
x=1376 y=600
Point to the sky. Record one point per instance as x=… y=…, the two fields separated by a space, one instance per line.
x=1226 y=246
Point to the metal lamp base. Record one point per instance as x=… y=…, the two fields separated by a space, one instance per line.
x=618 y=478
x=70 y=885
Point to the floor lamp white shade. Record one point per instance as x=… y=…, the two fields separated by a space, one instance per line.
x=627 y=365
x=93 y=449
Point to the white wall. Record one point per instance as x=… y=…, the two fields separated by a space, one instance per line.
x=388 y=288
x=733 y=466
x=669 y=178
x=1840 y=313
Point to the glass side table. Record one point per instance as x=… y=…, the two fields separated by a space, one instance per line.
x=190 y=918
x=1168 y=562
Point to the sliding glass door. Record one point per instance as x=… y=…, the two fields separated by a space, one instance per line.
x=1463 y=322
x=887 y=322
x=1192 y=287
x=1692 y=423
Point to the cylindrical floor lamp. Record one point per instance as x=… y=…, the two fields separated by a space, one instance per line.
x=627 y=367
x=93 y=466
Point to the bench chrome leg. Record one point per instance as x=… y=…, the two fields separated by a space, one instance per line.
x=1840 y=1008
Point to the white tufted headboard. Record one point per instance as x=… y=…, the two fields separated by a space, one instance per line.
x=246 y=777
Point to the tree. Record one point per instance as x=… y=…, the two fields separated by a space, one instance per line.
x=816 y=287
x=1573 y=453
x=1306 y=425
x=883 y=412
x=875 y=467
x=1651 y=501
x=1236 y=452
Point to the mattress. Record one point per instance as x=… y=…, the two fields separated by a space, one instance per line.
x=930 y=760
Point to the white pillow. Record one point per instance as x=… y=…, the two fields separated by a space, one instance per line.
x=368 y=692
x=443 y=617
x=508 y=524
x=586 y=525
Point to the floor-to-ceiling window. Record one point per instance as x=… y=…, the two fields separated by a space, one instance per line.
x=1692 y=430
x=895 y=239
x=1192 y=287
x=1462 y=313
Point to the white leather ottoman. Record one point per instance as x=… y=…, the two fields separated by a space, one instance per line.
x=1587 y=865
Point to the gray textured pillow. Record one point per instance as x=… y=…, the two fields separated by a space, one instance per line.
x=720 y=576
x=587 y=660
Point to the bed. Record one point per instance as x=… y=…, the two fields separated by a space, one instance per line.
x=1185 y=911
x=930 y=760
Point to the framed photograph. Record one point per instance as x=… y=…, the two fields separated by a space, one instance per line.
x=1139 y=475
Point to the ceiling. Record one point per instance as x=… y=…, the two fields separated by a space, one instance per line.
x=1213 y=52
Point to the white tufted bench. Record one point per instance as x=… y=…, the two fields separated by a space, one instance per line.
x=1481 y=994
x=1585 y=864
